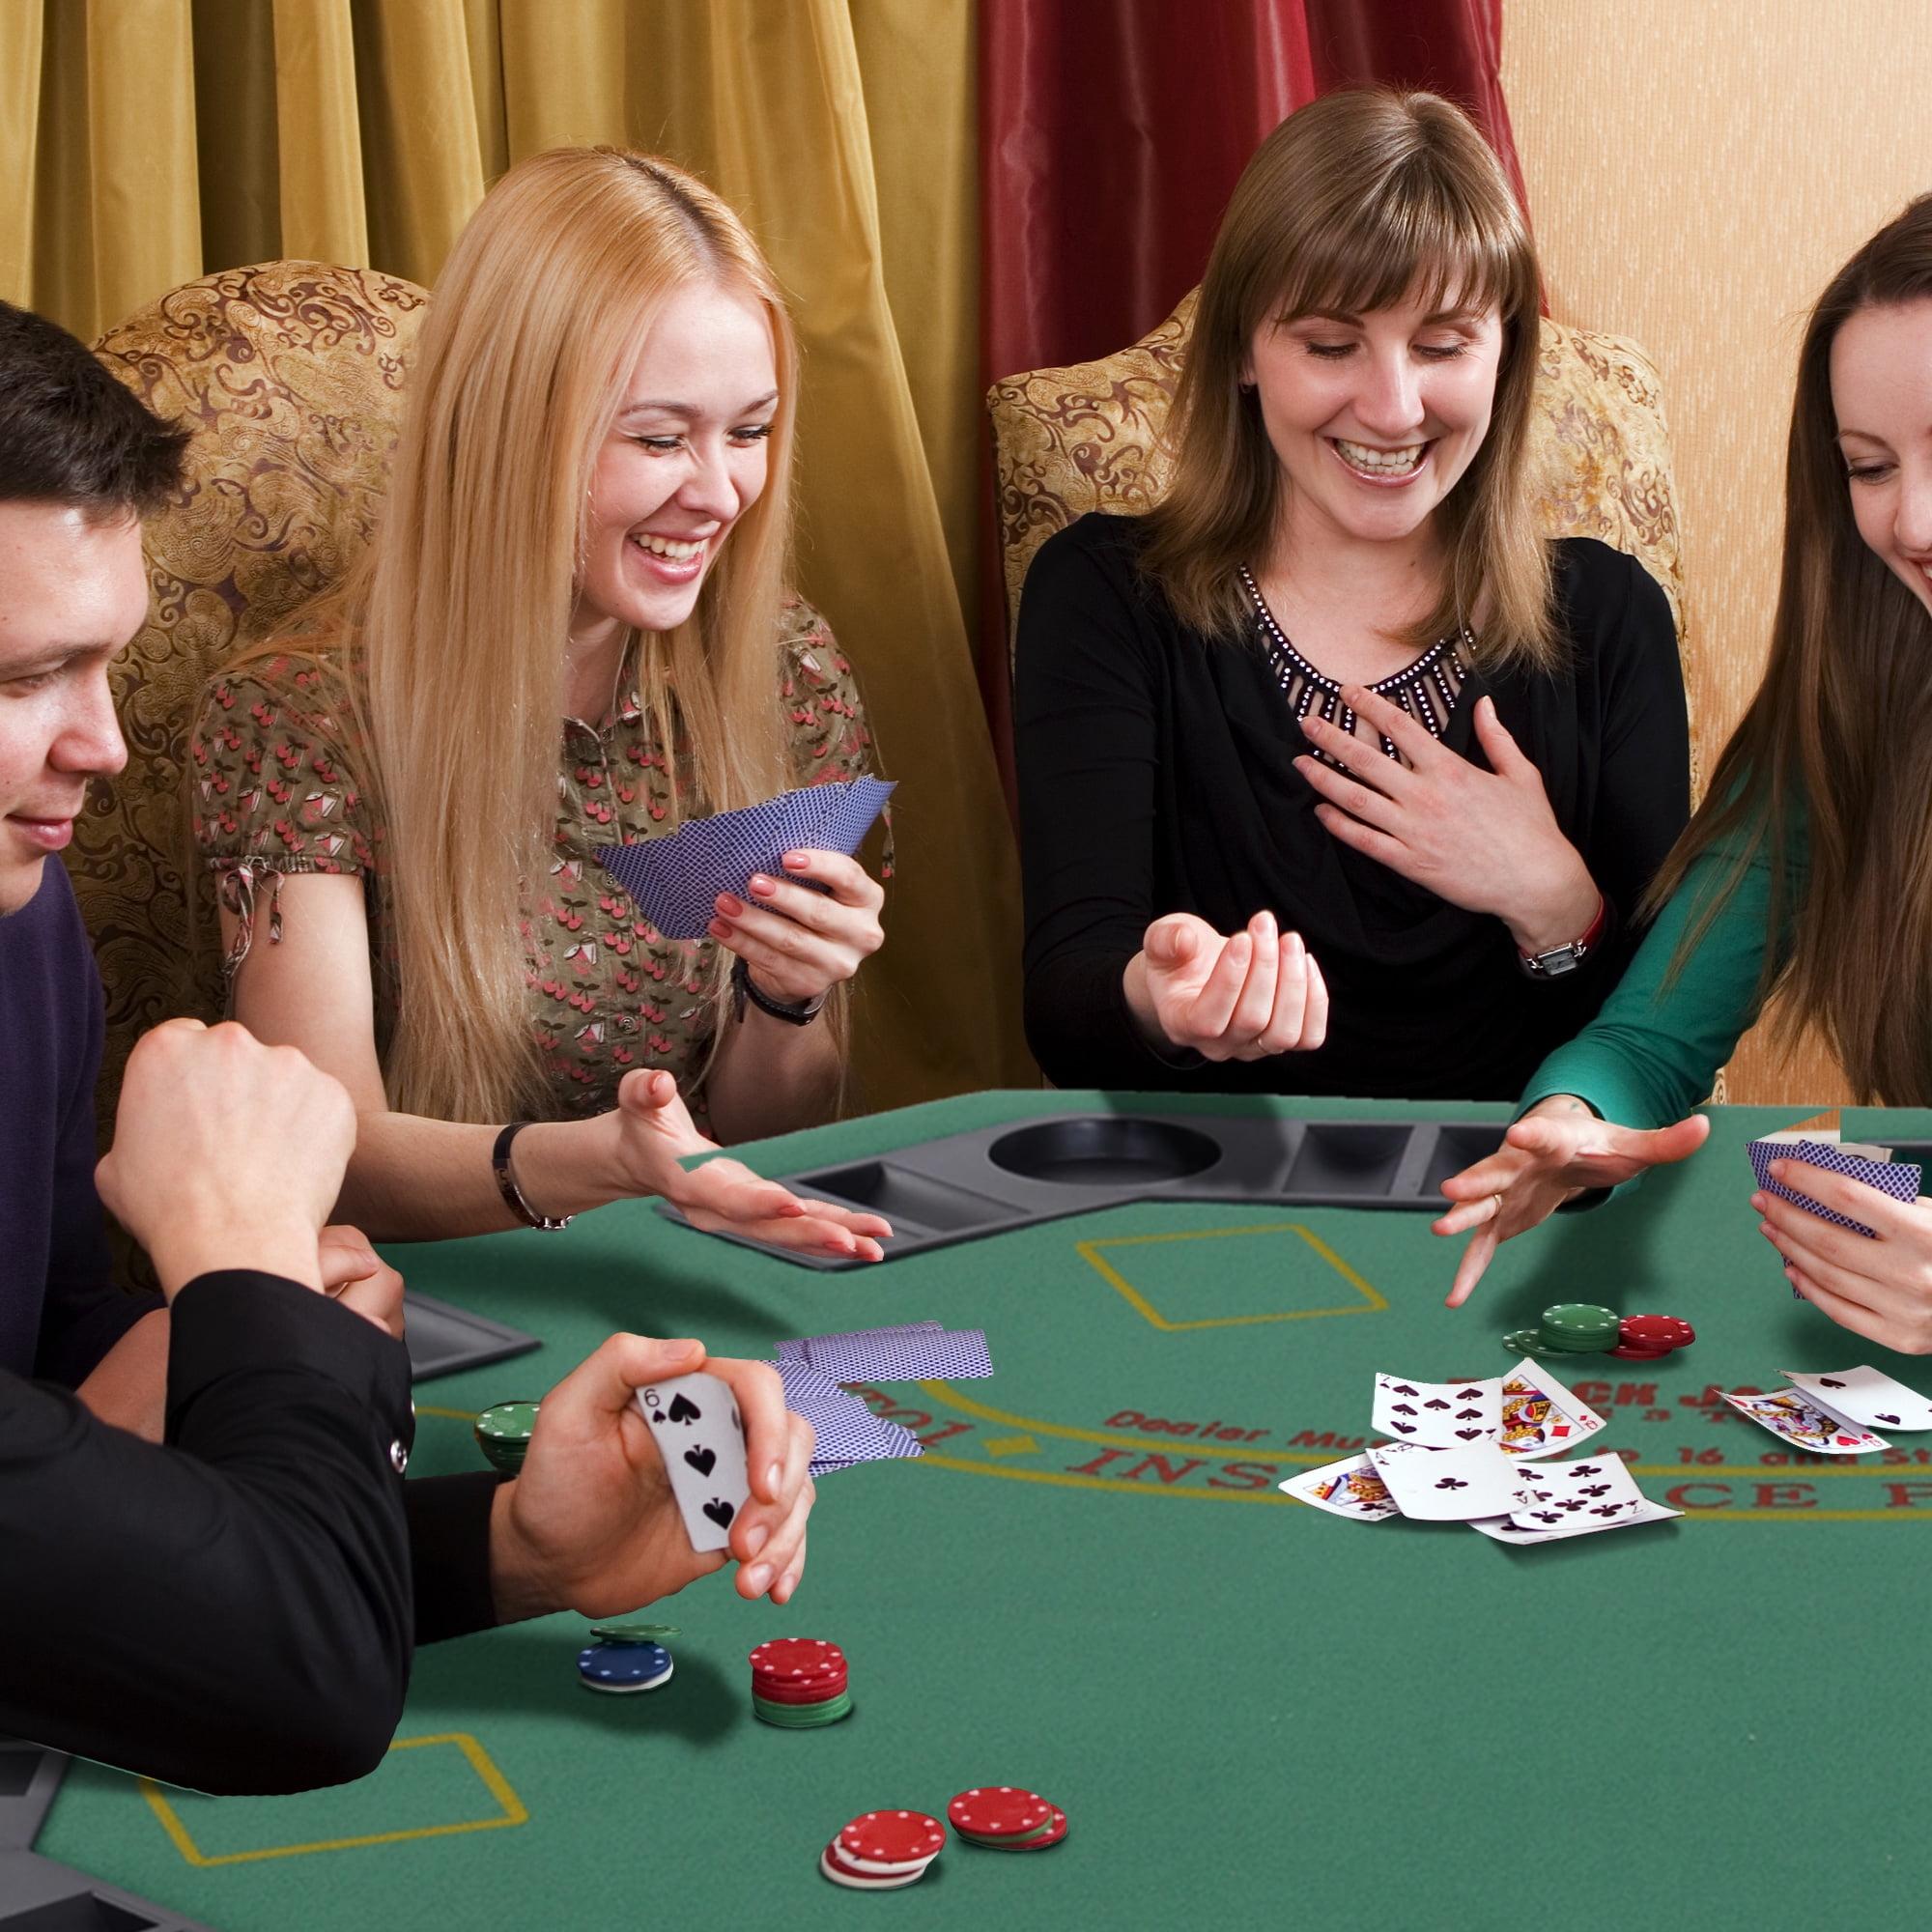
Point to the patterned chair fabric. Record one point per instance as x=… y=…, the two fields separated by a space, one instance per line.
x=1089 y=437
x=290 y=376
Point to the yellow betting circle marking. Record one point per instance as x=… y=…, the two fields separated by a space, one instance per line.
x=498 y=1786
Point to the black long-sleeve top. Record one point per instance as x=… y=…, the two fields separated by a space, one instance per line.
x=1156 y=776
x=235 y=1611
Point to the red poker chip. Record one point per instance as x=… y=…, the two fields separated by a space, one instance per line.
x=790 y=1658
x=892 y=1838
x=1049 y=1837
x=856 y=1875
x=875 y=1868
x=800 y=1693
x=1656 y=1331
x=998 y=1812
x=1629 y=1354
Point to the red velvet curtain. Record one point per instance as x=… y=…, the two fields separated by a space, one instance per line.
x=1110 y=135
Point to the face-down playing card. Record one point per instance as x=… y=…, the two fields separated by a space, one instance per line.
x=799 y=1348
x=1540 y=1416
x=1450 y=1484
x=696 y=1424
x=844 y=1430
x=675 y=880
x=1352 y=1488
x=1794 y=1417
x=1864 y=1396
x=1441 y=1416
x=919 y=1355
x=1896 y=1177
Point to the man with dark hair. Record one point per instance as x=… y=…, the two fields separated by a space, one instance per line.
x=233 y=1606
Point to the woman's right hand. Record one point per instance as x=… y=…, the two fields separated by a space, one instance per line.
x=1558 y=1150
x=655 y=1132
x=1242 y=998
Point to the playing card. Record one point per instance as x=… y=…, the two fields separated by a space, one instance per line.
x=1352 y=1488
x=1593 y=1488
x=1898 y=1178
x=1514 y=1529
x=1794 y=1419
x=844 y=1430
x=1449 y=1484
x=799 y=1350
x=906 y=1357
x=696 y=1424
x=1540 y=1416
x=1866 y=1398
x=1442 y=1415
x=675 y=880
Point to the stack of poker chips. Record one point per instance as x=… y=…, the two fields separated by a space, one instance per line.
x=881 y=1851
x=799 y=1683
x=1570 y=1328
x=1649 y=1338
x=1003 y=1818
x=503 y=1433
x=626 y=1657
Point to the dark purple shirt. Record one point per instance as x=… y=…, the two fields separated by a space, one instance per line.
x=60 y=1311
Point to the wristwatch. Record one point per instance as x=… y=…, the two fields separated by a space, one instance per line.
x=794 y=1013
x=1561 y=959
x=513 y=1195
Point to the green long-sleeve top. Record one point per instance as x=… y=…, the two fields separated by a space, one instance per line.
x=1653 y=1052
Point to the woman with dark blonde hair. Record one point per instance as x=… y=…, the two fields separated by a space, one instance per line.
x=1335 y=776
x=572 y=629
x=1807 y=870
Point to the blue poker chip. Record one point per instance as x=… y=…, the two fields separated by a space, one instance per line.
x=623 y=1666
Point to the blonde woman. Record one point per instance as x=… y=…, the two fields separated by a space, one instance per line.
x=1335 y=777
x=572 y=629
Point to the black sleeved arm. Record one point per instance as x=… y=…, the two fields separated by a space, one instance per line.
x=1086 y=752
x=449 y=1553
x=231 y=1612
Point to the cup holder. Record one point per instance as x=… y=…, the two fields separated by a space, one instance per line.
x=1104 y=1150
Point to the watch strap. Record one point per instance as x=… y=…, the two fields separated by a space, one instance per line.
x=513 y=1195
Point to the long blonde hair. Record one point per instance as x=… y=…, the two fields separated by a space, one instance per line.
x=451 y=628
x=1837 y=741
x=1357 y=201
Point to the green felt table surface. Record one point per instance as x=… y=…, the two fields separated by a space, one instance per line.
x=1250 y=1711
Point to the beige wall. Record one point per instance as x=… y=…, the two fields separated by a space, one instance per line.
x=1697 y=170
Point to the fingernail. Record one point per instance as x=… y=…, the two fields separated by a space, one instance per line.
x=761 y=884
x=730 y=905
x=719 y=929
x=1757 y=1201
x=757 y=1576
x=773 y=1475
x=837 y=1246
x=756 y=1539
x=794 y=862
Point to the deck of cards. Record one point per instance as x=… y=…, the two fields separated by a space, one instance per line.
x=1821 y=1147
x=675 y=880
x=814 y=1368
x=1480 y=1452
x=1833 y=1414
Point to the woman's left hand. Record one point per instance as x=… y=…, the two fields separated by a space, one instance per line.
x=1486 y=841
x=797 y=943
x=1878 y=1287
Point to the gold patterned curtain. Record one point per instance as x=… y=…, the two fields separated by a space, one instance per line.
x=145 y=142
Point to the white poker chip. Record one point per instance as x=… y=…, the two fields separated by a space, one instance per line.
x=852 y=1881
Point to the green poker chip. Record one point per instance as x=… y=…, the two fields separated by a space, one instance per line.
x=634 y=1632
x=503 y=1432
x=1523 y=1341
x=1579 y=1319
x=803 y=1716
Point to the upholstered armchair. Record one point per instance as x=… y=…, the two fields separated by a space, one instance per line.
x=290 y=376
x=1089 y=437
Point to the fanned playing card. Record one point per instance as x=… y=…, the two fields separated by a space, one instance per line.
x=696 y=1424
x=1576 y=1499
x=1441 y=1416
x=1795 y=1418
x=845 y=1431
x=1871 y=1165
x=1540 y=1416
x=799 y=1348
x=1352 y=1488
x=1866 y=1398
x=881 y=1355
x=1514 y=1529
x=1449 y=1484
x=675 y=880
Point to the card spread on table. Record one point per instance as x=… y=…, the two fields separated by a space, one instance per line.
x=1578 y=1498
x=911 y=1353
x=1540 y=1416
x=1866 y=1398
x=675 y=880
x=1873 y=1165
x=1450 y=1484
x=1440 y=1415
x=1352 y=1488
x=696 y=1424
x=1795 y=1418
x=845 y=1431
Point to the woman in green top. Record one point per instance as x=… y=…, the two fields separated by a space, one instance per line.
x=1807 y=871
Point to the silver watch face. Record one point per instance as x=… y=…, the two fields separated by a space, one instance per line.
x=1561 y=959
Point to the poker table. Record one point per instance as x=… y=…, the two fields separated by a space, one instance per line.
x=1089 y=1585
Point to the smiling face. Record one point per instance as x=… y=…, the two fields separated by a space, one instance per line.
x=683 y=459
x=1882 y=396
x=72 y=592
x=1374 y=417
